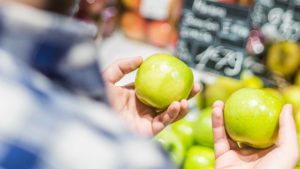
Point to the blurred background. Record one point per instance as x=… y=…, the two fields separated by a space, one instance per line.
x=230 y=44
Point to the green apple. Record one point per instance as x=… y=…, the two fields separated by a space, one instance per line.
x=283 y=58
x=203 y=128
x=172 y=144
x=199 y=157
x=297 y=79
x=184 y=130
x=230 y=84
x=249 y=80
x=251 y=117
x=200 y=101
x=292 y=96
x=221 y=90
x=275 y=93
x=162 y=79
x=214 y=92
x=297 y=119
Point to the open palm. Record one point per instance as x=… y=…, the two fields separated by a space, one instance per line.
x=140 y=117
x=283 y=155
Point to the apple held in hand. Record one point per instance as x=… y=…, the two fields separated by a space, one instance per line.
x=251 y=117
x=199 y=157
x=163 y=79
x=203 y=128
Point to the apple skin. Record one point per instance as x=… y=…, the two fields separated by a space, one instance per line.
x=221 y=90
x=134 y=26
x=163 y=79
x=292 y=96
x=297 y=120
x=172 y=144
x=283 y=58
x=203 y=128
x=199 y=157
x=249 y=80
x=185 y=131
x=275 y=93
x=251 y=117
x=297 y=79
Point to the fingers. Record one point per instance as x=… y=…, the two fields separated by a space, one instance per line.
x=120 y=68
x=183 y=111
x=184 y=103
x=166 y=117
x=221 y=143
x=196 y=88
x=287 y=130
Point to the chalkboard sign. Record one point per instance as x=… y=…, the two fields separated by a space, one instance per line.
x=213 y=36
x=278 y=19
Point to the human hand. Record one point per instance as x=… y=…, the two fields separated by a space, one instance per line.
x=283 y=155
x=140 y=117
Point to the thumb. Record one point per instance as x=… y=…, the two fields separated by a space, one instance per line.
x=287 y=129
x=120 y=68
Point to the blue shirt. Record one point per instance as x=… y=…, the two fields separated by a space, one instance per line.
x=47 y=68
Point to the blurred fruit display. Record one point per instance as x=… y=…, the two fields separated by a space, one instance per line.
x=246 y=44
x=101 y=13
x=152 y=21
x=228 y=37
x=283 y=58
x=278 y=23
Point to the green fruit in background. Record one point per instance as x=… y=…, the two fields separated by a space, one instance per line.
x=230 y=84
x=200 y=101
x=251 y=117
x=184 y=130
x=297 y=119
x=297 y=79
x=275 y=93
x=215 y=92
x=172 y=144
x=203 y=128
x=162 y=79
x=249 y=80
x=220 y=90
x=292 y=96
x=283 y=58
x=199 y=157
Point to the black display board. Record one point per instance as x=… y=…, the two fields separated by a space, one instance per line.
x=213 y=36
x=277 y=19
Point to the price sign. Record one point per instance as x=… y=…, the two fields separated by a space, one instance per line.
x=278 y=19
x=213 y=36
